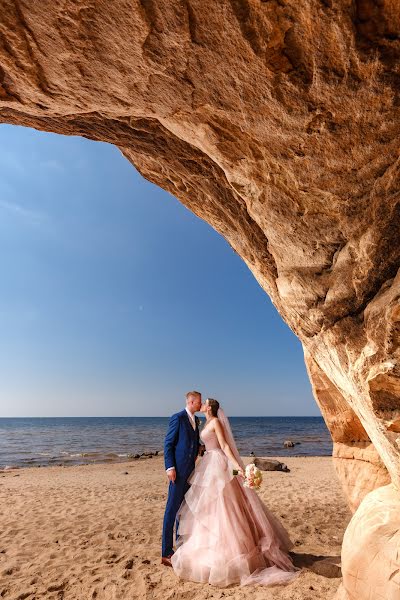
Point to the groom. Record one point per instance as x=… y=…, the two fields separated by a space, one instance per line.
x=181 y=448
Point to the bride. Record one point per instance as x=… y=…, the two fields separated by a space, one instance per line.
x=226 y=534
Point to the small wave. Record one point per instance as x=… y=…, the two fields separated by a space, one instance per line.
x=98 y=454
x=89 y=454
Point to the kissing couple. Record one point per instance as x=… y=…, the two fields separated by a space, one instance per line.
x=224 y=533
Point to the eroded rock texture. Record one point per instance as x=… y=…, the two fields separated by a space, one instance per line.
x=357 y=463
x=278 y=123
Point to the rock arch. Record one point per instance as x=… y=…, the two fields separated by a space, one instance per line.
x=278 y=123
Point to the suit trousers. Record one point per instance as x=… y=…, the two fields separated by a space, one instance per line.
x=176 y=492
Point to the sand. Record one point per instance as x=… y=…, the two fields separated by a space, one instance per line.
x=93 y=531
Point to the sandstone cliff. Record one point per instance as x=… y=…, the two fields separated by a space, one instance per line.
x=277 y=121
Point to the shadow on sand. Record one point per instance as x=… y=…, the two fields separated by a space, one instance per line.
x=327 y=566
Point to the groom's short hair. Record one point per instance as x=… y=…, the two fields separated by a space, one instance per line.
x=193 y=393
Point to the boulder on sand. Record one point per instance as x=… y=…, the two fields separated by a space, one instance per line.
x=269 y=464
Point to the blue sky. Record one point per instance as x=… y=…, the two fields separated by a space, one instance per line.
x=116 y=300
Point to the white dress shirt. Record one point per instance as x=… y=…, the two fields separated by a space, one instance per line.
x=191 y=417
x=193 y=423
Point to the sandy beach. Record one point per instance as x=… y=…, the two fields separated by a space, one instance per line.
x=93 y=531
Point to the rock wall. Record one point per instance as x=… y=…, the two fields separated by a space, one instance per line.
x=357 y=463
x=278 y=123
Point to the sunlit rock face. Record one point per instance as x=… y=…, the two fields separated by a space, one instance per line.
x=277 y=123
x=357 y=463
x=375 y=527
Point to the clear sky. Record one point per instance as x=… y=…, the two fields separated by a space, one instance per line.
x=115 y=300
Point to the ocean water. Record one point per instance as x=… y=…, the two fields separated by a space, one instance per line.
x=78 y=440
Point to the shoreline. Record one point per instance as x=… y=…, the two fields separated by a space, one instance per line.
x=142 y=456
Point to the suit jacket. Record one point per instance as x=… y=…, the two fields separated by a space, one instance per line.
x=181 y=444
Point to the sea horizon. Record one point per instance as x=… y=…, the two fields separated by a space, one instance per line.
x=159 y=416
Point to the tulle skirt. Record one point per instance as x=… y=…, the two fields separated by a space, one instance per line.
x=226 y=534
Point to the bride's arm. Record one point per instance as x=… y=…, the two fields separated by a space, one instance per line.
x=224 y=445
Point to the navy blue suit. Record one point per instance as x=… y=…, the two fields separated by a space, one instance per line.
x=181 y=447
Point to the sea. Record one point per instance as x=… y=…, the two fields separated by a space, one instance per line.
x=34 y=442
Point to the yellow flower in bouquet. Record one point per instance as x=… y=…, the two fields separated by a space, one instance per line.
x=253 y=477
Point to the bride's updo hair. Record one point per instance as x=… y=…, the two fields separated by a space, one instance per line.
x=214 y=405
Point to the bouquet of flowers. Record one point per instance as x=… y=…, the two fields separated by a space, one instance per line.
x=253 y=477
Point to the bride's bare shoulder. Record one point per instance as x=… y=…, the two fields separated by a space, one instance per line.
x=217 y=423
x=214 y=423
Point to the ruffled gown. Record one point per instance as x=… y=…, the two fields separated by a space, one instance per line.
x=226 y=534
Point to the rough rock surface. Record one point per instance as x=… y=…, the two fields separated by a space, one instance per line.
x=357 y=463
x=278 y=123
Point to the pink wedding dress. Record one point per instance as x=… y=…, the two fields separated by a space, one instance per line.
x=226 y=534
